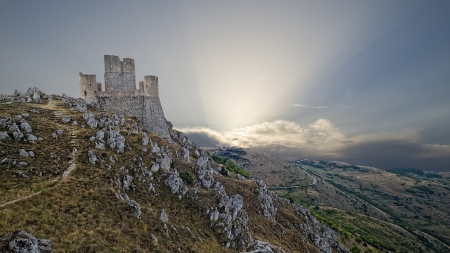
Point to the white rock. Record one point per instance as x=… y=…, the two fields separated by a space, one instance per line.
x=92 y=158
x=65 y=119
x=23 y=152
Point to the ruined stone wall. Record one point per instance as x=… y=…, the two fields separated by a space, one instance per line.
x=145 y=108
x=126 y=105
x=88 y=87
x=153 y=117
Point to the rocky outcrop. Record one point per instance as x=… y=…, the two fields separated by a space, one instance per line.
x=267 y=199
x=264 y=247
x=21 y=242
x=321 y=235
x=230 y=219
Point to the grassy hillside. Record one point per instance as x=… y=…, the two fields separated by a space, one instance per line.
x=103 y=184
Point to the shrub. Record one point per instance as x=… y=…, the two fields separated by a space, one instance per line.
x=186 y=176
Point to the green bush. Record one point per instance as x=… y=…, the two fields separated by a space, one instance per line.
x=186 y=176
x=229 y=165
x=355 y=249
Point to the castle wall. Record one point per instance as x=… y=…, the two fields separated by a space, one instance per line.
x=153 y=117
x=126 y=105
x=145 y=108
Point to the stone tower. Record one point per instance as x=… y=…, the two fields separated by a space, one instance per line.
x=89 y=87
x=119 y=75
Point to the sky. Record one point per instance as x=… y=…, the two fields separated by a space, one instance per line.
x=364 y=82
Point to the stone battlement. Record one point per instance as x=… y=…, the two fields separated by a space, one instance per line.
x=121 y=96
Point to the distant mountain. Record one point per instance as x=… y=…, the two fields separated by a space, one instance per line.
x=405 y=210
x=73 y=179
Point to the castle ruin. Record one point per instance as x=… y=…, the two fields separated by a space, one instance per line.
x=121 y=96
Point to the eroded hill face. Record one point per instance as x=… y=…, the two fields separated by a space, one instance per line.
x=375 y=209
x=92 y=182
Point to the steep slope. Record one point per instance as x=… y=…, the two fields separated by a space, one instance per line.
x=92 y=181
x=377 y=210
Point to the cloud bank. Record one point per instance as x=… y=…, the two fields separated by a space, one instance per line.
x=322 y=140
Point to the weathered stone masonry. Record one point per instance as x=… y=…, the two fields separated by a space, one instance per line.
x=121 y=96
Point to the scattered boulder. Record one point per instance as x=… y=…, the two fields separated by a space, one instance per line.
x=4 y=135
x=65 y=119
x=137 y=208
x=31 y=138
x=26 y=127
x=145 y=139
x=21 y=241
x=23 y=152
x=164 y=217
x=92 y=158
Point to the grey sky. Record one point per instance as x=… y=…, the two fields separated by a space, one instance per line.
x=377 y=71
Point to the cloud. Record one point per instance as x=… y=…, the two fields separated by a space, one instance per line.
x=299 y=105
x=320 y=107
x=322 y=140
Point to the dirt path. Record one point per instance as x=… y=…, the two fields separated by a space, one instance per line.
x=63 y=177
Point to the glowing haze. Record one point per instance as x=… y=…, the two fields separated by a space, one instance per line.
x=364 y=82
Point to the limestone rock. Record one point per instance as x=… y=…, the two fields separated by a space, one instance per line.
x=205 y=177
x=202 y=161
x=145 y=139
x=100 y=145
x=31 y=138
x=240 y=177
x=23 y=152
x=267 y=199
x=21 y=241
x=164 y=217
x=265 y=247
x=18 y=135
x=4 y=135
x=155 y=149
x=185 y=155
x=90 y=120
x=26 y=127
x=137 y=208
x=100 y=135
x=116 y=141
x=127 y=182
x=65 y=119
x=176 y=185
x=37 y=98
x=92 y=158
x=164 y=161
x=155 y=167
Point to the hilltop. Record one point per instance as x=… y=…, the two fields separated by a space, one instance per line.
x=81 y=180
